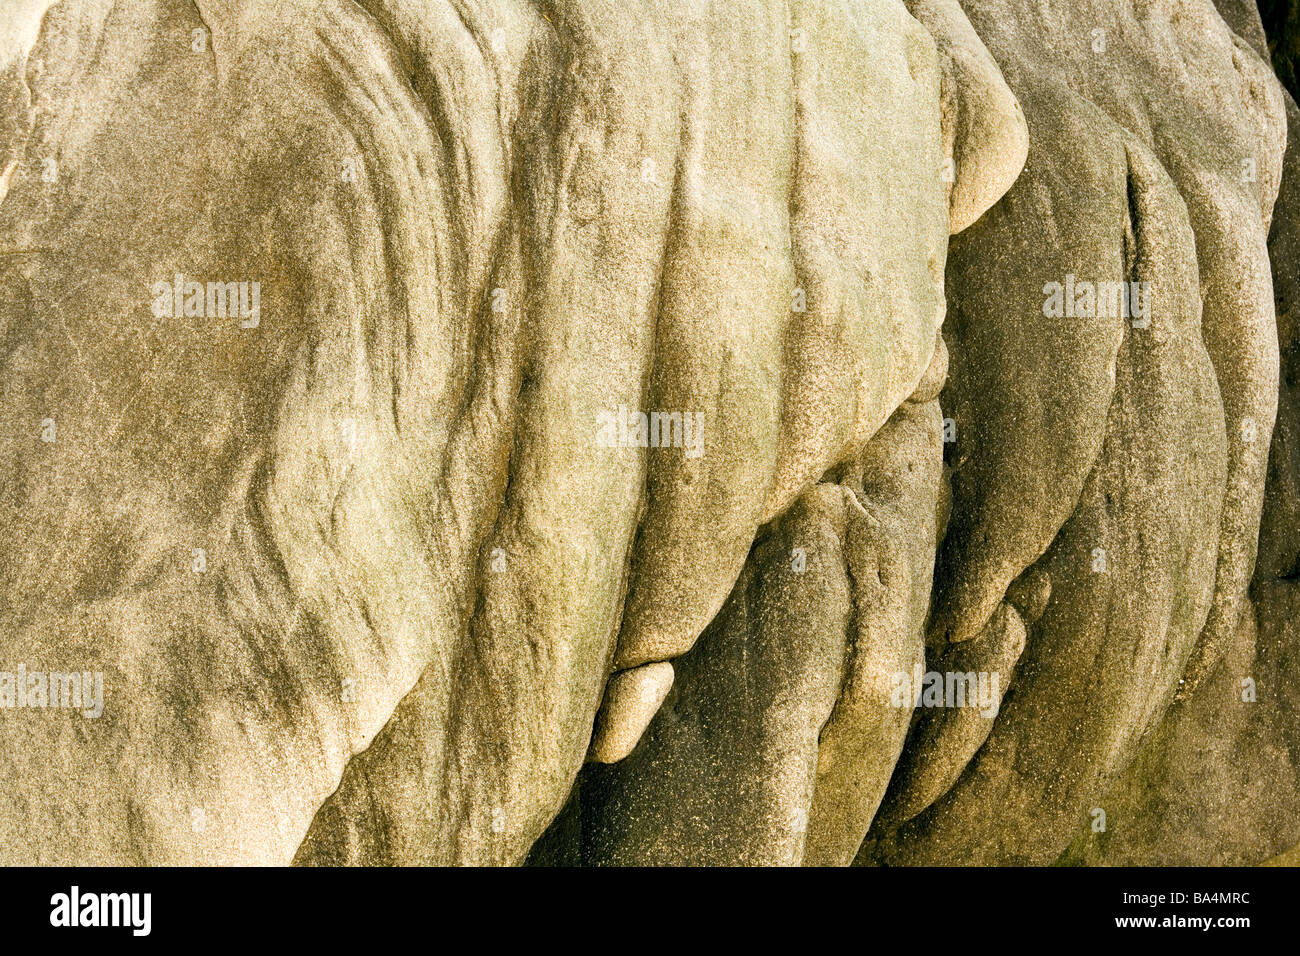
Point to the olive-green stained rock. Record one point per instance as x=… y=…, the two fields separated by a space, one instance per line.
x=687 y=432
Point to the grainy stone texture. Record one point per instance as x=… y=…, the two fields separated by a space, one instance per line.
x=359 y=564
x=1124 y=464
x=632 y=698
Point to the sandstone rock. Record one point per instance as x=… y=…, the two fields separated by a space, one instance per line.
x=985 y=136
x=386 y=384
x=631 y=699
x=1073 y=474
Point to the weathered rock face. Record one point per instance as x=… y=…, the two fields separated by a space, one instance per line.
x=407 y=402
x=1133 y=482
x=1217 y=782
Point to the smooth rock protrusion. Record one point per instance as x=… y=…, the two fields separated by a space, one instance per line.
x=631 y=701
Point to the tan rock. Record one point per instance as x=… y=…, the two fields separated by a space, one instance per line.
x=632 y=698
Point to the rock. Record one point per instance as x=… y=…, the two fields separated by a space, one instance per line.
x=474 y=235
x=1214 y=784
x=389 y=384
x=631 y=699
x=1074 y=474
x=944 y=740
x=985 y=136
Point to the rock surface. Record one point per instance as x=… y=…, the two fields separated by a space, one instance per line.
x=388 y=383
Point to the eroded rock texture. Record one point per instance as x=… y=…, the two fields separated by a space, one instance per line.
x=489 y=431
